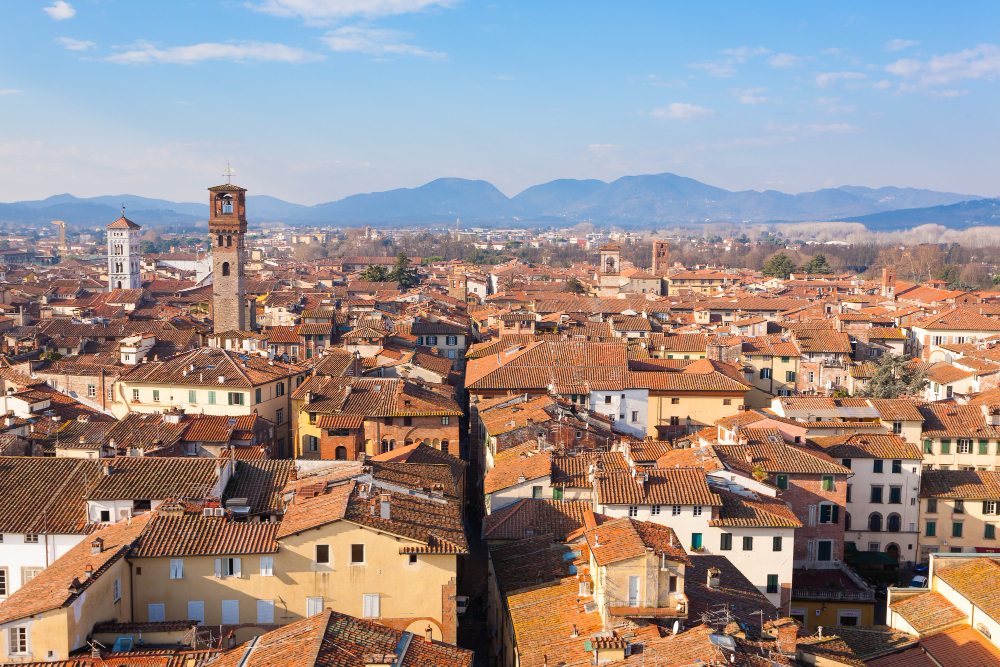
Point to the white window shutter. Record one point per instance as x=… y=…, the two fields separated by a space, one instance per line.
x=314 y=606
x=218 y=568
x=230 y=612
x=196 y=612
x=265 y=611
x=236 y=567
x=156 y=613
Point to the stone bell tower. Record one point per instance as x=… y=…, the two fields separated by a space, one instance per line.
x=227 y=222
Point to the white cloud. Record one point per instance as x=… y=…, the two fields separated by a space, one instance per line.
x=743 y=53
x=981 y=62
x=325 y=11
x=751 y=95
x=75 y=44
x=144 y=52
x=724 y=68
x=813 y=128
x=681 y=111
x=10 y=91
x=783 y=60
x=377 y=42
x=827 y=79
x=881 y=85
x=60 y=10
x=900 y=44
x=831 y=105
x=719 y=70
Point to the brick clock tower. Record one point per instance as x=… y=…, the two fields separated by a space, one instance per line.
x=227 y=222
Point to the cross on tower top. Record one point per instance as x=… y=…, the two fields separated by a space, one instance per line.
x=228 y=173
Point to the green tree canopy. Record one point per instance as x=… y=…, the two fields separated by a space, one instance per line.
x=817 y=265
x=402 y=273
x=779 y=266
x=375 y=274
x=575 y=286
x=894 y=376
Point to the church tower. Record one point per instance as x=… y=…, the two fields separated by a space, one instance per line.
x=661 y=256
x=227 y=222
x=610 y=276
x=123 y=254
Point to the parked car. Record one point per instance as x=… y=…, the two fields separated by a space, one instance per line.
x=919 y=581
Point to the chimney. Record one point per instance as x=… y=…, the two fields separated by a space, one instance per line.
x=8 y=419
x=293 y=474
x=222 y=379
x=107 y=470
x=384 y=502
x=714 y=575
x=218 y=469
x=97 y=546
x=428 y=634
x=89 y=571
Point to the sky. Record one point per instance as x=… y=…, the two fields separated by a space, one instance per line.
x=314 y=100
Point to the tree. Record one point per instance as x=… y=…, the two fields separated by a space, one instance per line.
x=817 y=265
x=779 y=266
x=375 y=274
x=402 y=273
x=894 y=376
x=575 y=286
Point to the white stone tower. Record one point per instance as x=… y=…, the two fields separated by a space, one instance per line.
x=123 y=254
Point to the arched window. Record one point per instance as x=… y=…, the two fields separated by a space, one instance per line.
x=227 y=205
x=847 y=521
x=392 y=445
x=341 y=453
x=875 y=522
x=219 y=240
x=119 y=284
x=385 y=446
x=225 y=268
x=892 y=523
x=444 y=446
x=229 y=241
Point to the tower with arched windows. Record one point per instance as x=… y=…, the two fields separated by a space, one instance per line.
x=123 y=254
x=227 y=222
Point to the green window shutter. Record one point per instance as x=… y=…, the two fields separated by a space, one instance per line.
x=557 y=493
x=928 y=446
x=984 y=446
x=191 y=396
x=946 y=446
x=991 y=532
x=257 y=395
x=931 y=529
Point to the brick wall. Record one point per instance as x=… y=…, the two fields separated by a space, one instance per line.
x=427 y=429
x=805 y=493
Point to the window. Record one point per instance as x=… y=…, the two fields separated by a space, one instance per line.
x=116 y=588
x=357 y=554
x=536 y=492
x=633 y=510
x=928 y=446
x=211 y=398
x=726 y=542
x=675 y=510
x=322 y=553
x=827 y=484
x=18 y=640
x=930 y=529
x=111 y=393
x=445 y=421
x=964 y=446
x=452 y=340
x=91 y=390
x=29 y=573
x=672 y=585
x=413 y=559
x=313 y=443
x=156 y=395
x=697 y=510
x=635 y=416
x=279 y=416
x=946 y=446
x=897 y=427
x=654 y=510
x=696 y=540
x=135 y=395
x=765 y=373
x=230 y=612
x=607 y=400
x=932 y=505
x=105 y=516
x=776 y=543
x=959 y=506
x=279 y=389
x=192 y=394
x=812 y=375
x=156 y=613
x=989 y=507
x=897 y=467
x=849 y=487
x=236 y=398
x=877 y=465
x=675 y=401
x=176 y=568
x=314 y=606
x=31 y=538
x=956 y=529
x=875 y=522
x=782 y=481
x=825 y=550
x=845 y=462
x=772 y=583
x=789 y=376
x=265 y=611
x=990 y=533
x=876 y=495
x=196 y=612
x=267 y=566
x=829 y=513
x=370 y=606
x=984 y=446
x=432 y=340
x=747 y=543
x=228 y=567
x=557 y=492
x=727 y=401
x=3 y=581
x=257 y=395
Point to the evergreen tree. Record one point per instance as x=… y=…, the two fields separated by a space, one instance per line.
x=402 y=273
x=575 y=286
x=817 y=265
x=779 y=266
x=375 y=274
x=894 y=376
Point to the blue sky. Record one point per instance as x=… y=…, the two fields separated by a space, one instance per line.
x=313 y=100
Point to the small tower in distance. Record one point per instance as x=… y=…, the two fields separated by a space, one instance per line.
x=227 y=222
x=610 y=278
x=661 y=255
x=123 y=254
x=889 y=282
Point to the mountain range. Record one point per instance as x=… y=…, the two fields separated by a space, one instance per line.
x=630 y=201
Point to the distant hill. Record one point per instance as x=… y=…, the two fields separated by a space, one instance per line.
x=954 y=216
x=636 y=201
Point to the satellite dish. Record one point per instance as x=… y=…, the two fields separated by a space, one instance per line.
x=677 y=627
